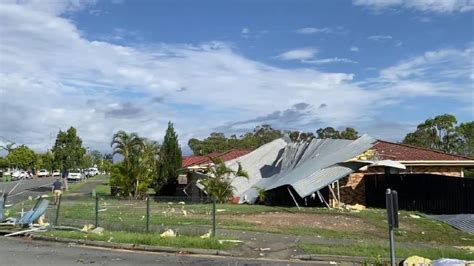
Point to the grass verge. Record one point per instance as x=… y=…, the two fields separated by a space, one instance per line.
x=145 y=239
x=374 y=250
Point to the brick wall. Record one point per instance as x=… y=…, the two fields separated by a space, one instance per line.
x=352 y=188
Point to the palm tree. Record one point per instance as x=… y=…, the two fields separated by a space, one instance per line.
x=129 y=146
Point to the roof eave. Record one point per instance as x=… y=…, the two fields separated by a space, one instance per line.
x=438 y=162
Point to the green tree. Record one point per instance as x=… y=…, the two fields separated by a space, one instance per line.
x=136 y=172
x=22 y=157
x=328 y=133
x=466 y=135
x=349 y=133
x=45 y=161
x=170 y=158
x=68 y=151
x=96 y=157
x=437 y=133
x=218 y=182
x=4 y=163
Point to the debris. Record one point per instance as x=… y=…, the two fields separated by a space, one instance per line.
x=261 y=254
x=185 y=213
x=230 y=241
x=416 y=261
x=168 y=233
x=355 y=208
x=449 y=262
x=87 y=227
x=206 y=235
x=265 y=249
x=221 y=210
x=170 y=203
x=415 y=216
x=102 y=210
x=110 y=239
x=181 y=202
x=98 y=230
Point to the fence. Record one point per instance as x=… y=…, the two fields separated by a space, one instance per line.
x=150 y=215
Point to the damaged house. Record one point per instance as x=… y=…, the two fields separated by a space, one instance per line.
x=332 y=172
x=335 y=172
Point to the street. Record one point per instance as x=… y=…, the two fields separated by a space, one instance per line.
x=30 y=187
x=15 y=251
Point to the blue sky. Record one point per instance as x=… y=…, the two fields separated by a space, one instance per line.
x=379 y=66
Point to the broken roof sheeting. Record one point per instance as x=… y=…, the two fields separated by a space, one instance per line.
x=306 y=166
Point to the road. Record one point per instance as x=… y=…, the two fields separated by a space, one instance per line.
x=30 y=187
x=15 y=251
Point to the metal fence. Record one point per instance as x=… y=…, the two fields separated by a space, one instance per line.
x=149 y=215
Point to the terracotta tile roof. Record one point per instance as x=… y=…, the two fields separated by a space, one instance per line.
x=403 y=152
x=225 y=156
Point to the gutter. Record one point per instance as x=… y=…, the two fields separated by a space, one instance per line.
x=438 y=163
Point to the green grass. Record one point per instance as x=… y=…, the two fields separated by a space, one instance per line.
x=102 y=190
x=375 y=250
x=145 y=239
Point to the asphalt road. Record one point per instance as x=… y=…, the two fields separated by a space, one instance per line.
x=15 y=251
x=30 y=187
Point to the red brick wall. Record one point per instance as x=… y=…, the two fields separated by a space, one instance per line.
x=352 y=188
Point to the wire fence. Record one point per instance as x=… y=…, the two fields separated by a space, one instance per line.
x=156 y=214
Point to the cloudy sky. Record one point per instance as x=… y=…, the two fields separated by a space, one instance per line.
x=103 y=65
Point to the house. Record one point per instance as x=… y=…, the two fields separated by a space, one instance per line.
x=325 y=172
x=433 y=181
x=195 y=167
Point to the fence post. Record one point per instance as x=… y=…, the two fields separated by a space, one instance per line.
x=57 y=211
x=147 y=214
x=96 y=210
x=213 y=217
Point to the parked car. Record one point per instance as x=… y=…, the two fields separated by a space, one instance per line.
x=92 y=171
x=75 y=175
x=56 y=173
x=43 y=173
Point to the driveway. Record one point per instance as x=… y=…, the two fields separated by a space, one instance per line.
x=30 y=187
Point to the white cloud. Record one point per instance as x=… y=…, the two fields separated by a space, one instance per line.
x=433 y=6
x=330 y=61
x=247 y=33
x=311 y=30
x=354 y=49
x=380 y=38
x=58 y=78
x=53 y=6
x=298 y=54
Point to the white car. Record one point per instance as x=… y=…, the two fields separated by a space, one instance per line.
x=17 y=175
x=75 y=175
x=92 y=171
x=56 y=173
x=43 y=173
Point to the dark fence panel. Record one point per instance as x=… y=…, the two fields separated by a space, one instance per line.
x=427 y=193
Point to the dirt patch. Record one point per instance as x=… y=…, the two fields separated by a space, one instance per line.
x=319 y=221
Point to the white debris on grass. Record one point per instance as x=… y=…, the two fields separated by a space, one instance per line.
x=98 y=230
x=206 y=235
x=102 y=210
x=168 y=233
x=415 y=216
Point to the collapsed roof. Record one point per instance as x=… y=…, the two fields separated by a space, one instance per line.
x=305 y=166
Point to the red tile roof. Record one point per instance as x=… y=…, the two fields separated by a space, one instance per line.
x=225 y=156
x=403 y=152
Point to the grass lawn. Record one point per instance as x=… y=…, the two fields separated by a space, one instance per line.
x=145 y=239
x=374 y=250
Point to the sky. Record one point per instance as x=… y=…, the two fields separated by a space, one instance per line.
x=380 y=66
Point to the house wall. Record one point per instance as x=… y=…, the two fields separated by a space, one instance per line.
x=352 y=188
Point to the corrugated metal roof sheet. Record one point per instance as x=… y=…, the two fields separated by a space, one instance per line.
x=463 y=222
x=306 y=166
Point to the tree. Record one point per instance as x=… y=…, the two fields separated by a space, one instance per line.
x=327 y=133
x=22 y=157
x=218 y=183
x=170 y=158
x=68 y=151
x=4 y=162
x=331 y=133
x=45 y=161
x=349 y=133
x=437 y=133
x=136 y=172
x=466 y=135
